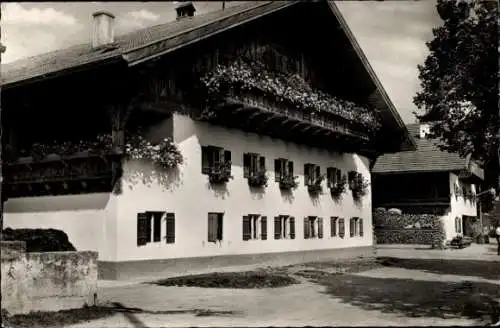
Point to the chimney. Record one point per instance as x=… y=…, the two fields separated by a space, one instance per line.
x=424 y=130
x=185 y=9
x=103 y=31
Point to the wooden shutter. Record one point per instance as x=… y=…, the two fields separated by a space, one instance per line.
x=277 y=227
x=219 y=226
x=333 y=226
x=329 y=175
x=292 y=227
x=456 y=225
x=212 y=228
x=320 y=228
x=338 y=176
x=360 y=227
x=351 y=177
x=341 y=227
x=205 y=163
x=306 y=228
x=143 y=231
x=262 y=163
x=307 y=177
x=227 y=158
x=246 y=228
x=170 y=228
x=263 y=228
x=277 y=170
x=290 y=168
x=317 y=172
x=246 y=165
x=157 y=226
x=351 y=226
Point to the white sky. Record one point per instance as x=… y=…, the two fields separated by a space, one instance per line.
x=391 y=33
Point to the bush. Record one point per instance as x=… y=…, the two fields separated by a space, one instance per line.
x=40 y=240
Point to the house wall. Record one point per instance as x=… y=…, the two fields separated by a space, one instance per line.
x=89 y=220
x=188 y=194
x=458 y=207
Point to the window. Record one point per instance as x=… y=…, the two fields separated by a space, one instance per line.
x=458 y=225
x=149 y=227
x=212 y=158
x=356 y=227
x=282 y=168
x=253 y=164
x=334 y=176
x=341 y=227
x=313 y=227
x=254 y=227
x=284 y=227
x=354 y=179
x=215 y=227
x=312 y=173
x=333 y=226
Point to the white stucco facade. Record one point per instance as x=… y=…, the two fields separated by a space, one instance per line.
x=458 y=206
x=108 y=223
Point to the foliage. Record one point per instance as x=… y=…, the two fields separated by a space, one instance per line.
x=359 y=187
x=289 y=182
x=163 y=154
x=459 y=82
x=40 y=240
x=259 y=179
x=316 y=187
x=292 y=89
x=220 y=173
x=339 y=187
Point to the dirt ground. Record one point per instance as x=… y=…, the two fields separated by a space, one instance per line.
x=421 y=288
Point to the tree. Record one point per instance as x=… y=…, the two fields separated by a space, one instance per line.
x=459 y=80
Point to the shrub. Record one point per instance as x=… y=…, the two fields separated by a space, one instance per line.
x=40 y=240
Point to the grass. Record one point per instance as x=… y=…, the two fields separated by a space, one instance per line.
x=237 y=280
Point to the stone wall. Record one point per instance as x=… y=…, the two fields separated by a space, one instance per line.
x=49 y=281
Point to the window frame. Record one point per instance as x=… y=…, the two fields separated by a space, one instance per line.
x=218 y=234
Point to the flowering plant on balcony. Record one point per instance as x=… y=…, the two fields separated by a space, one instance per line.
x=163 y=154
x=359 y=187
x=220 y=173
x=249 y=75
x=315 y=187
x=258 y=179
x=288 y=182
x=337 y=188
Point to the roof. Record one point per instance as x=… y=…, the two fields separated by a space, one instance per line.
x=142 y=45
x=426 y=158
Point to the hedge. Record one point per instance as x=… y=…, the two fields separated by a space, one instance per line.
x=40 y=240
x=423 y=229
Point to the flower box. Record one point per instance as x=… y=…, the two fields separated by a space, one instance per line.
x=220 y=173
x=314 y=188
x=288 y=182
x=258 y=180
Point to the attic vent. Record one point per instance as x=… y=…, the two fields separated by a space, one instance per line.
x=424 y=131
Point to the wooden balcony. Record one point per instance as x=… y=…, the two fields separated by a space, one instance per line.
x=254 y=113
x=55 y=175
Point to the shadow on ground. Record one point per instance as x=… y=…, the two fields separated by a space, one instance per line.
x=412 y=298
x=472 y=268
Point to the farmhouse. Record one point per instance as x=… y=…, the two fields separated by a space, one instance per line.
x=231 y=137
x=429 y=181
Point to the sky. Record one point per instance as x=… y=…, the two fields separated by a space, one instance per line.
x=392 y=34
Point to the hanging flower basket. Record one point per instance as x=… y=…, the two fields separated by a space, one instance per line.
x=289 y=89
x=288 y=182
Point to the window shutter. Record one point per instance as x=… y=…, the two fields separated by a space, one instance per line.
x=277 y=170
x=205 y=164
x=157 y=226
x=262 y=163
x=320 y=228
x=360 y=227
x=292 y=227
x=246 y=228
x=341 y=228
x=246 y=165
x=306 y=174
x=170 y=228
x=218 y=226
x=456 y=225
x=227 y=158
x=317 y=172
x=277 y=227
x=351 y=177
x=212 y=228
x=329 y=174
x=143 y=233
x=338 y=176
x=306 y=228
x=290 y=168
x=333 y=226
x=351 y=226
x=263 y=228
